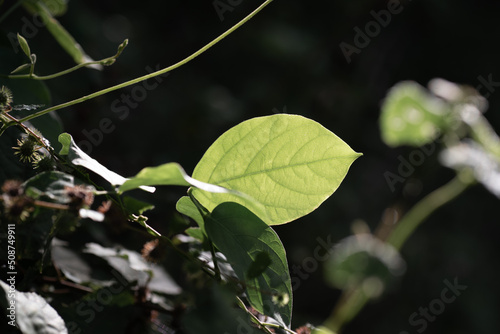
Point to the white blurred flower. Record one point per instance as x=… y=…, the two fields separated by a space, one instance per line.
x=471 y=155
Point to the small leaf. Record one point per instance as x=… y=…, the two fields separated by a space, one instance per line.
x=24 y=45
x=33 y=314
x=411 y=115
x=242 y=237
x=287 y=163
x=77 y=157
x=172 y=174
x=21 y=68
x=135 y=206
x=61 y=35
x=186 y=206
x=121 y=47
x=167 y=174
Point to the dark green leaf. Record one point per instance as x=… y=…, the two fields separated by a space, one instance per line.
x=78 y=267
x=167 y=174
x=135 y=206
x=186 y=206
x=241 y=236
x=50 y=185
x=259 y=265
x=196 y=233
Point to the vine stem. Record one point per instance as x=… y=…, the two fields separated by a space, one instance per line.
x=425 y=207
x=103 y=62
x=252 y=316
x=151 y=75
x=353 y=301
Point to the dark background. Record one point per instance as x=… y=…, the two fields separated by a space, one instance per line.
x=288 y=59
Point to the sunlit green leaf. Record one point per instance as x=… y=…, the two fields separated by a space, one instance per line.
x=196 y=233
x=174 y=175
x=411 y=115
x=167 y=174
x=287 y=163
x=242 y=237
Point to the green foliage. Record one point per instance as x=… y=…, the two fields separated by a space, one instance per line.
x=24 y=45
x=76 y=230
x=186 y=206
